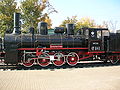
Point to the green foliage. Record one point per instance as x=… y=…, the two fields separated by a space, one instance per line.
x=33 y=11
x=30 y=12
x=3 y=23
x=83 y=22
x=7 y=8
x=69 y=20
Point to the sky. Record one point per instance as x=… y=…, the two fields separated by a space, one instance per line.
x=99 y=10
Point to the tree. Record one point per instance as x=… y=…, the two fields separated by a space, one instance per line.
x=83 y=22
x=48 y=20
x=7 y=8
x=4 y=21
x=33 y=11
x=69 y=20
x=111 y=25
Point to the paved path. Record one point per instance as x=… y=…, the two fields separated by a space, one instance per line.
x=98 y=78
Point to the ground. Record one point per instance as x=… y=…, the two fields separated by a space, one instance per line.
x=96 y=78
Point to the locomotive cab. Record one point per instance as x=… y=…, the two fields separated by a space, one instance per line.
x=97 y=39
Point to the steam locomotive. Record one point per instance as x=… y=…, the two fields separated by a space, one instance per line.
x=64 y=46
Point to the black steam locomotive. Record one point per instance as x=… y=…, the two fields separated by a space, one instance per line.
x=64 y=46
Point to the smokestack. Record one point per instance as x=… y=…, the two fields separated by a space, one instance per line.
x=70 y=29
x=16 y=23
x=42 y=28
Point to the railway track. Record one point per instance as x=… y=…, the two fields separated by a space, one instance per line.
x=85 y=64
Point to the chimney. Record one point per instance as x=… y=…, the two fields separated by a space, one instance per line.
x=70 y=29
x=16 y=23
x=42 y=28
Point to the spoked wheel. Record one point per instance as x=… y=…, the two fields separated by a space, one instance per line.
x=27 y=60
x=59 y=59
x=43 y=60
x=114 y=59
x=72 y=58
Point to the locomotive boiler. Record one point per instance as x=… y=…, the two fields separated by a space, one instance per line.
x=64 y=46
x=42 y=39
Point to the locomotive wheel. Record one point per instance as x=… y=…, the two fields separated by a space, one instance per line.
x=27 y=61
x=72 y=58
x=59 y=59
x=43 y=60
x=114 y=59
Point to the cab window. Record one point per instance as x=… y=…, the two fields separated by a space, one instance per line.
x=99 y=34
x=105 y=33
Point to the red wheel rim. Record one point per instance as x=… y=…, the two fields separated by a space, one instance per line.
x=44 y=60
x=28 y=63
x=72 y=59
x=60 y=59
x=114 y=59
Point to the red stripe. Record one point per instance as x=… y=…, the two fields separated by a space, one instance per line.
x=116 y=52
x=50 y=48
x=56 y=46
x=86 y=57
x=97 y=52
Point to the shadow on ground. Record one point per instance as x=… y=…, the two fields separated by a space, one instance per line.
x=65 y=66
